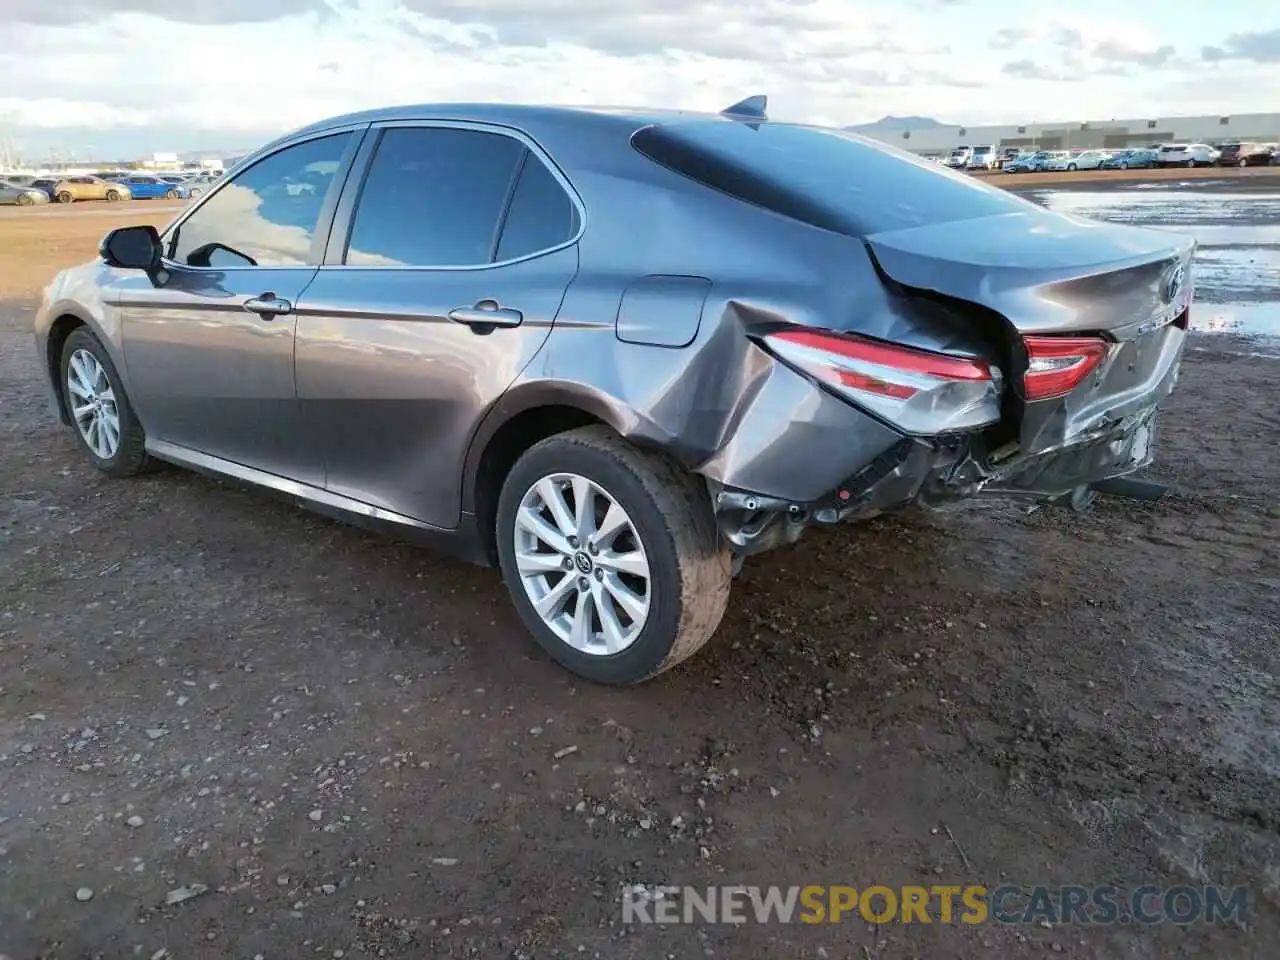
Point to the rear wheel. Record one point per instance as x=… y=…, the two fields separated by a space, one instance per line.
x=66 y=197
x=113 y=196
x=24 y=200
x=1072 y=166
x=1124 y=165
x=1244 y=161
x=611 y=556
x=1191 y=162
x=172 y=195
x=103 y=417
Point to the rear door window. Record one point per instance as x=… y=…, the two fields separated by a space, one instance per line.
x=434 y=197
x=541 y=215
x=828 y=178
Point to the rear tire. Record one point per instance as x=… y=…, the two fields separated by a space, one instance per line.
x=121 y=451
x=670 y=530
x=1191 y=163
x=171 y=195
x=112 y=196
x=66 y=197
x=24 y=200
x=1072 y=167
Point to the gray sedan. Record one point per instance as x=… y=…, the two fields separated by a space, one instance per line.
x=11 y=193
x=615 y=352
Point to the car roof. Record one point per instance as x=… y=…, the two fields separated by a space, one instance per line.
x=509 y=114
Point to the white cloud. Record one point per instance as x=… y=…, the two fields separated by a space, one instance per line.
x=235 y=72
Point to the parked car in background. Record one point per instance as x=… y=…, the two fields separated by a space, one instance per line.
x=1026 y=163
x=113 y=175
x=46 y=185
x=18 y=179
x=1130 y=160
x=982 y=158
x=1246 y=154
x=959 y=157
x=1088 y=160
x=21 y=194
x=145 y=187
x=71 y=189
x=1186 y=155
x=200 y=184
x=1057 y=160
x=392 y=354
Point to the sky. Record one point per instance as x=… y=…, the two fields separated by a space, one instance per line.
x=124 y=78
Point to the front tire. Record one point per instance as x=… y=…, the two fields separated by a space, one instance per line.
x=611 y=555
x=24 y=200
x=100 y=410
x=1072 y=167
x=66 y=197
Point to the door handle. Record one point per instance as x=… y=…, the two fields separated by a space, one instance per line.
x=486 y=314
x=268 y=305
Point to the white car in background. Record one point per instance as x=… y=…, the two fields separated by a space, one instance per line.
x=1088 y=159
x=1056 y=159
x=1186 y=155
x=983 y=158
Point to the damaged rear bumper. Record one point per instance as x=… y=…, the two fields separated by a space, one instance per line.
x=938 y=473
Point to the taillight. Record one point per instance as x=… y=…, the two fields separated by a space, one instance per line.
x=918 y=391
x=1057 y=365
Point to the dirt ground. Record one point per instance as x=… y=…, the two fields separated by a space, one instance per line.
x=343 y=746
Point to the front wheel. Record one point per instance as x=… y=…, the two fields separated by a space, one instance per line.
x=171 y=195
x=1123 y=165
x=66 y=197
x=1191 y=163
x=611 y=555
x=24 y=200
x=103 y=417
x=1072 y=166
x=113 y=196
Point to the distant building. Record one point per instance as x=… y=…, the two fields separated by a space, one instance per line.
x=1091 y=134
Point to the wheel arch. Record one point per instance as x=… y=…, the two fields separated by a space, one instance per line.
x=60 y=329
x=527 y=414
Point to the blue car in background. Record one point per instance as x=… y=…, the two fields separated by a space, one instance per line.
x=1131 y=160
x=1027 y=163
x=144 y=187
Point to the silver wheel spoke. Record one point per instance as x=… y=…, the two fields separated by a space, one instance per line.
x=615 y=637
x=584 y=501
x=528 y=563
x=553 y=498
x=75 y=386
x=634 y=605
x=82 y=411
x=550 y=605
x=581 y=634
x=615 y=520
x=527 y=519
x=632 y=562
x=562 y=556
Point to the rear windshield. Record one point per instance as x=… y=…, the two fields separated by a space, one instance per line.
x=828 y=178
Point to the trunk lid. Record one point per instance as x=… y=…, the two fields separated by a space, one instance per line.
x=1043 y=272
x=1046 y=273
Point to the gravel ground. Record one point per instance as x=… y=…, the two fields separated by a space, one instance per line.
x=229 y=728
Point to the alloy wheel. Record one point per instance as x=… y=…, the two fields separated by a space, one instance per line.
x=582 y=564
x=93 y=404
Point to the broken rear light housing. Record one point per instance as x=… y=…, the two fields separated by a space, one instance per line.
x=918 y=391
x=1057 y=365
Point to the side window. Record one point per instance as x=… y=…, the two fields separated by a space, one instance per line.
x=541 y=215
x=433 y=197
x=267 y=215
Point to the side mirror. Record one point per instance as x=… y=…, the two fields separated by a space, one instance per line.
x=133 y=248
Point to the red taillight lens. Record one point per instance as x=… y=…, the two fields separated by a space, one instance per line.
x=919 y=391
x=1057 y=365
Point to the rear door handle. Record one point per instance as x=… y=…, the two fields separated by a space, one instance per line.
x=268 y=305
x=487 y=314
